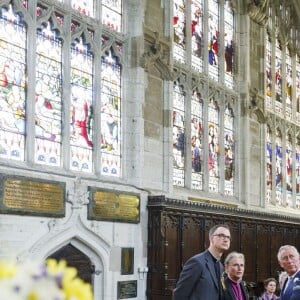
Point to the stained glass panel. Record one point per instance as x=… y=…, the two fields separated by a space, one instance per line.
x=48 y=97
x=298 y=92
x=197 y=141
x=228 y=42
x=213 y=39
x=229 y=151
x=12 y=85
x=112 y=14
x=268 y=78
x=110 y=115
x=179 y=23
x=278 y=79
x=213 y=145
x=297 y=166
x=197 y=34
x=269 y=156
x=278 y=170
x=81 y=122
x=85 y=7
x=178 y=135
x=289 y=85
x=289 y=170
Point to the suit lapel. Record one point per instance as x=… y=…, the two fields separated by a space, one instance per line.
x=211 y=269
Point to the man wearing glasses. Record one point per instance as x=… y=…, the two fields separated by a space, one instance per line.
x=200 y=278
x=233 y=286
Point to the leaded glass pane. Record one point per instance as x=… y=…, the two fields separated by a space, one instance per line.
x=213 y=39
x=179 y=23
x=85 y=7
x=178 y=135
x=289 y=170
x=288 y=89
x=297 y=167
x=197 y=34
x=278 y=78
x=110 y=115
x=112 y=14
x=228 y=42
x=48 y=97
x=12 y=85
x=278 y=170
x=213 y=145
x=81 y=130
x=269 y=156
x=229 y=151
x=197 y=141
x=268 y=78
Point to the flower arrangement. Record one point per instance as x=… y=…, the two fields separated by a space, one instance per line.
x=51 y=280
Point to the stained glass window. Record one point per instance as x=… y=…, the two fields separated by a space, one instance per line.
x=110 y=115
x=178 y=135
x=112 y=14
x=298 y=92
x=268 y=76
x=278 y=78
x=213 y=145
x=213 y=39
x=269 y=161
x=229 y=151
x=12 y=85
x=197 y=34
x=278 y=169
x=179 y=23
x=289 y=170
x=297 y=169
x=289 y=85
x=48 y=97
x=229 y=45
x=81 y=135
x=197 y=140
x=85 y=7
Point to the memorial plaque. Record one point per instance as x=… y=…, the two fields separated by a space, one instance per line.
x=127 y=289
x=127 y=261
x=113 y=206
x=20 y=195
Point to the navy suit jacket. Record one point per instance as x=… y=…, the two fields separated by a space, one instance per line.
x=294 y=292
x=228 y=293
x=197 y=280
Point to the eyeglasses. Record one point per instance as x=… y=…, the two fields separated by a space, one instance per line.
x=223 y=236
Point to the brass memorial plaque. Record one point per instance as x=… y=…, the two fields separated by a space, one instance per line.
x=32 y=197
x=127 y=289
x=113 y=206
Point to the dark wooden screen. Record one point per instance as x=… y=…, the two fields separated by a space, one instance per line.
x=179 y=229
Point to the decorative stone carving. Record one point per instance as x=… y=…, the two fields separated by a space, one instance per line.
x=256 y=105
x=258 y=11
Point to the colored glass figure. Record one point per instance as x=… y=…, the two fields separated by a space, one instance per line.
x=85 y=7
x=12 y=85
x=110 y=115
x=298 y=92
x=179 y=22
x=229 y=45
x=197 y=140
x=269 y=156
x=289 y=170
x=197 y=34
x=213 y=39
x=112 y=14
x=229 y=151
x=278 y=169
x=278 y=79
x=48 y=96
x=297 y=171
x=213 y=145
x=268 y=76
x=81 y=114
x=288 y=88
x=24 y=3
x=178 y=135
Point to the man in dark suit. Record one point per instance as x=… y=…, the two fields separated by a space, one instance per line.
x=289 y=259
x=233 y=286
x=200 y=278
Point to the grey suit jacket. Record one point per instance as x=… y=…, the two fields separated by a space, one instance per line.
x=197 y=280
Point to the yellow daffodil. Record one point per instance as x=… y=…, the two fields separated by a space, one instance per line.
x=7 y=270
